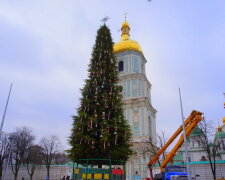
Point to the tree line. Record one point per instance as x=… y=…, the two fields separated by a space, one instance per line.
x=19 y=148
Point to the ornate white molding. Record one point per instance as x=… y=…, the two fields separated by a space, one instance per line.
x=131 y=76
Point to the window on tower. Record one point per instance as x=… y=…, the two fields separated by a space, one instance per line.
x=121 y=66
x=136 y=126
x=223 y=144
x=150 y=127
x=135 y=64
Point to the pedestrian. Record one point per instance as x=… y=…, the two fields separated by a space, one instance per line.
x=67 y=177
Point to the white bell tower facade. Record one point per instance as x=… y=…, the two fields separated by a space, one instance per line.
x=138 y=109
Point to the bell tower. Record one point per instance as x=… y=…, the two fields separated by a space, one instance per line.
x=138 y=109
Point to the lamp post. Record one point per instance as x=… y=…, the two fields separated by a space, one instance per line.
x=3 y=117
x=185 y=139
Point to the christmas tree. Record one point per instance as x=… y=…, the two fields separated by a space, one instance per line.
x=99 y=128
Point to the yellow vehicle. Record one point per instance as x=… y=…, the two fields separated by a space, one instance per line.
x=190 y=123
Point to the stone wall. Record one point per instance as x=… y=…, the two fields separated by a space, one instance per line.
x=56 y=172
x=199 y=171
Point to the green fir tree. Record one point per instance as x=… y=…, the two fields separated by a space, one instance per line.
x=99 y=128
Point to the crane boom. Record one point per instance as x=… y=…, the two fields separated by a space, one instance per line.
x=190 y=123
x=173 y=137
x=194 y=122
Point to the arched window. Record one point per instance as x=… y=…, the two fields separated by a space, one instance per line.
x=135 y=64
x=219 y=146
x=223 y=145
x=121 y=66
x=203 y=158
x=150 y=127
x=199 y=143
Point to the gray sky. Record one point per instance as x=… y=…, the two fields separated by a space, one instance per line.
x=45 y=48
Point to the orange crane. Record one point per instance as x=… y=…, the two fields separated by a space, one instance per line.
x=190 y=123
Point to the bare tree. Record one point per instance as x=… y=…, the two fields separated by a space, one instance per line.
x=207 y=143
x=20 y=141
x=161 y=141
x=33 y=159
x=4 y=151
x=153 y=147
x=50 y=147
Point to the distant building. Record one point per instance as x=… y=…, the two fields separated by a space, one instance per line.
x=199 y=162
x=220 y=139
x=196 y=152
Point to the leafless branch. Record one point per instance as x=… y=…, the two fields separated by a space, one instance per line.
x=207 y=142
x=20 y=141
x=50 y=147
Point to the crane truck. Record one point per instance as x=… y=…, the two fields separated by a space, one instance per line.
x=175 y=172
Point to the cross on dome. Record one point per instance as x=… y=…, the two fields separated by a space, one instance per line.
x=125 y=16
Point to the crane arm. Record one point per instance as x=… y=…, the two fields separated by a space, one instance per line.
x=173 y=137
x=189 y=129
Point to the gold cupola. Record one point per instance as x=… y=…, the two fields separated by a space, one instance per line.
x=219 y=128
x=126 y=43
x=223 y=120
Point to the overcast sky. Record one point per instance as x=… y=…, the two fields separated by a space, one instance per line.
x=45 y=48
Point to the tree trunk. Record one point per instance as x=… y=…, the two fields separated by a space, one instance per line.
x=48 y=169
x=1 y=171
x=31 y=173
x=214 y=176
x=15 y=176
x=212 y=169
x=214 y=163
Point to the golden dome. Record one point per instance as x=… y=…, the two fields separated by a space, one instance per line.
x=125 y=24
x=219 y=128
x=223 y=120
x=125 y=43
